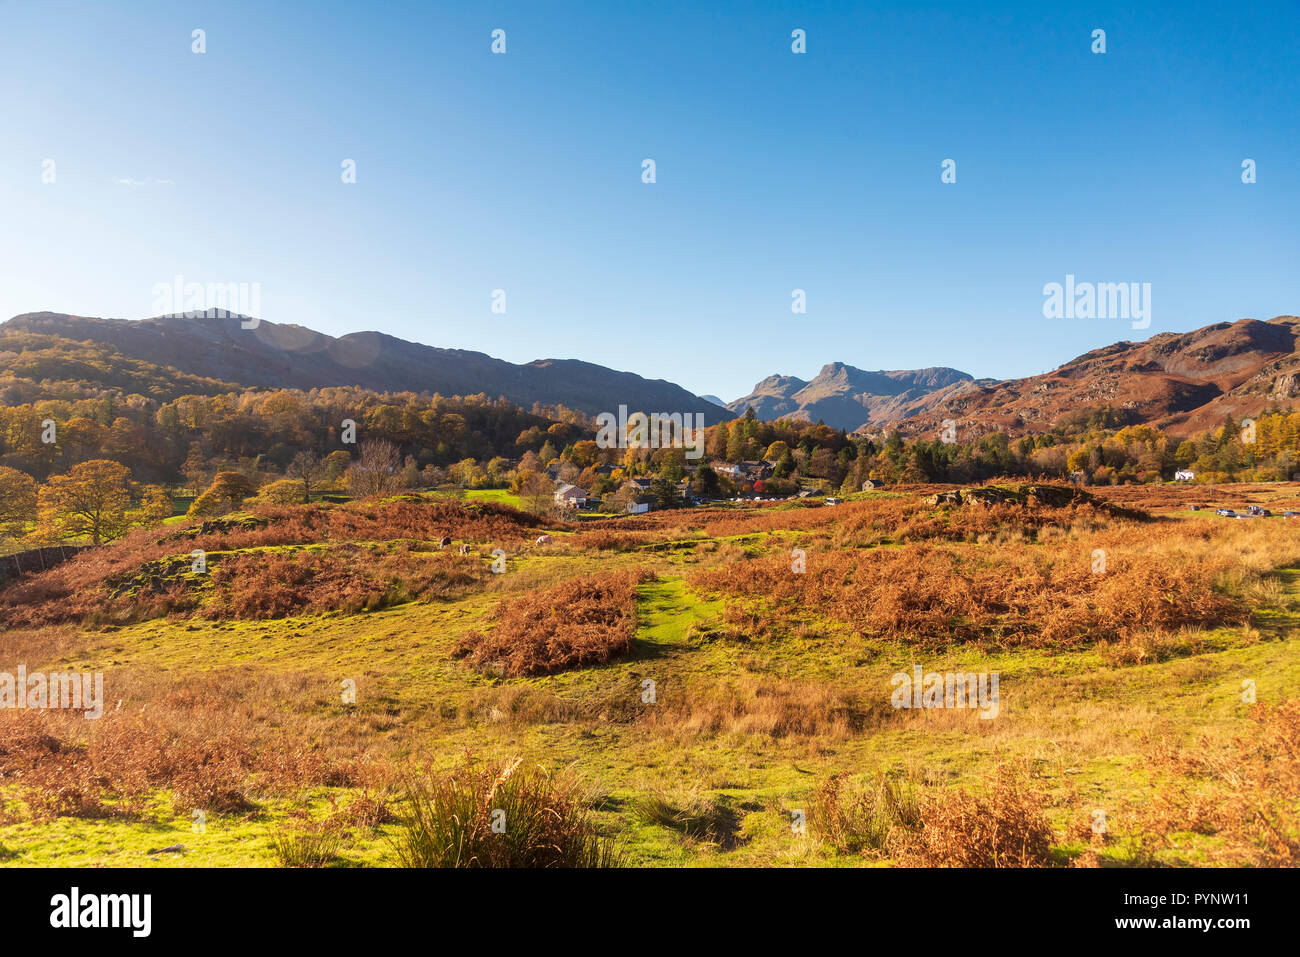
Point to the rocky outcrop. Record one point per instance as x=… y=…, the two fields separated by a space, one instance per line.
x=1054 y=496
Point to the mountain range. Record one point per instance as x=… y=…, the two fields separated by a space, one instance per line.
x=1182 y=382
x=291 y=356
x=848 y=398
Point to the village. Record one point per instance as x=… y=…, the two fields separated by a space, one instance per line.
x=699 y=485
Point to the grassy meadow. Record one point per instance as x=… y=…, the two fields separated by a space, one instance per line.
x=707 y=687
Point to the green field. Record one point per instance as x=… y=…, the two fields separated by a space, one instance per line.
x=745 y=728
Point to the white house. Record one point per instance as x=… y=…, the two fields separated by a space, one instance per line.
x=570 y=496
x=1184 y=475
x=640 y=504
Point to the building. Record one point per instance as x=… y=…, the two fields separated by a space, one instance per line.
x=640 y=504
x=1184 y=475
x=745 y=471
x=570 y=496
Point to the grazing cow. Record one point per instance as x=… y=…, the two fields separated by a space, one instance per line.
x=464 y=549
x=543 y=539
x=444 y=542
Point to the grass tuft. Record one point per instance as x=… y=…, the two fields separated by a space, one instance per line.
x=499 y=815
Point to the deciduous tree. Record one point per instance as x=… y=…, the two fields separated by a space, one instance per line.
x=377 y=471
x=91 y=500
x=17 y=502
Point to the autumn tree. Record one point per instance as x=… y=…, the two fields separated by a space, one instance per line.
x=91 y=499
x=777 y=451
x=498 y=470
x=583 y=453
x=195 y=468
x=156 y=506
x=226 y=493
x=670 y=463
x=376 y=471
x=735 y=449
x=537 y=490
x=620 y=498
x=282 y=492
x=17 y=502
x=306 y=468
x=467 y=473
x=410 y=473
x=335 y=464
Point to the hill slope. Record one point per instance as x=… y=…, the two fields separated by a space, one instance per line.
x=1184 y=382
x=288 y=356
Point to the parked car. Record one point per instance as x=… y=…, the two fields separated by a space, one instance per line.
x=1291 y=514
x=1193 y=508
x=1225 y=511
x=1258 y=511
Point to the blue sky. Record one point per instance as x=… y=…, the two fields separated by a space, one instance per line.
x=775 y=171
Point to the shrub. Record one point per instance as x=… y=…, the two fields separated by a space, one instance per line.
x=306 y=848
x=1249 y=790
x=541 y=821
x=1009 y=596
x=576 y=624
x=206 y=746
x=348 y=578
x=864 y=819
x=1004 y=828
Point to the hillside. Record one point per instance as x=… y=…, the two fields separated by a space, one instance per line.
x=845 y=397
x=1182 y=382
x=289 y=356
x=35 y=366
x=1185 y=382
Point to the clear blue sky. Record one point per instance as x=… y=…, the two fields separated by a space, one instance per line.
x=775 y=171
